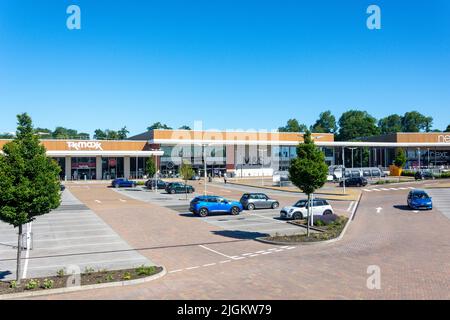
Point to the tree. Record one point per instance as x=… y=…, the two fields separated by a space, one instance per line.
x=325 y=124
x=123 y=133
x=293 y=125
x=29 y=181
x=186 y=173
x=185 y=127
x=355 y=124
x=150 y=167
x=159 y=125
x=99 y=134
x=400 y=158
x=6 y=136
x=447 y=129
x=308 y=171
x=44 y=133
x=415 y=122
x=390 y=124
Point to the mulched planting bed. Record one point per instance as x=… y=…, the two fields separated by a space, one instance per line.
x=326 y=230
x=88 y=277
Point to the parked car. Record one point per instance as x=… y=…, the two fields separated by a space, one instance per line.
x=151 y=183
x=195 y=177
x=354 y=182
x=252 y=201
x=178 y=187
x=205 y=205
x=123 y=183
x=300 y=209
x=423 y=175
x=419 y=199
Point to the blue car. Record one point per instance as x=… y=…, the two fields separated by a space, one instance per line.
x=205 y=205
x=419 y=199
x=123 y=183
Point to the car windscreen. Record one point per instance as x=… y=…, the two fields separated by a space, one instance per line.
x=301 y=203
x=421 y=195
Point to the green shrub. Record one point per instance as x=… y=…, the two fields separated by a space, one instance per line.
x=48 y=284
x=13 y=284
x=32 y=284
x=145 y=270
x=109 y=277
x=126 y=276
x=89 y=271
x=60 y=273
x=408 y=173
x=319 y=223
x=140 y=183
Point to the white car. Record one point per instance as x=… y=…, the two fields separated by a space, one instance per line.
x=300 y=211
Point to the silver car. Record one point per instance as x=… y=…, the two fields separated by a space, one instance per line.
x=252 y=201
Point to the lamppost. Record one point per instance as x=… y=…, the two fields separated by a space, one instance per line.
x=343 y=169
x=262 y=165
x=418 y=149
x=204 y=162
x=352 y=154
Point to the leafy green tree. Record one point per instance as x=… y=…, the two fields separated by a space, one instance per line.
x=325 y=124
x=293 y=125
x=150 y=167
x=308 y=171
x=186 y=173
x=29 y=181
x=6 y=136
x=400 y=158
x=159 y=125
x=184 y=128
x=99 y=135
x=355 y=124
x=415 y=122
x=390 y=124
x=123 y=133
x=447 y=129
x=44 y=133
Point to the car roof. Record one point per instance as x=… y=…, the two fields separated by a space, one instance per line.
x=418 y=191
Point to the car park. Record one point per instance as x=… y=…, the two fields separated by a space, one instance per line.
x=300 y=209
x=252 y=201
x=123 y=183
x=419 y=199
x=151 y=183
x=423 y=175
x=354 y=182
x=178 y=187
x=205 y=205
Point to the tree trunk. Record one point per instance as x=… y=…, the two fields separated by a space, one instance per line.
x=309 y=215
x=19 y=256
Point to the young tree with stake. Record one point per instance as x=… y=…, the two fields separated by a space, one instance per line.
x=29 y=181
x=308 y=171
x=186 y=173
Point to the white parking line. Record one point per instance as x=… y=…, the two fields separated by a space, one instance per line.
x=98 y=201
x=175 y=271
x=368 y=190
x=225 y=261
x=192 y=268
x=350 y=206
x=122 y=200
x=209 y=264
x=217 y=252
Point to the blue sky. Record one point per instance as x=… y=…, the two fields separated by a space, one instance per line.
x=232 y=64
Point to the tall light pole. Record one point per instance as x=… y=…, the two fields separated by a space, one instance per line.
x=204 y=165
x=262 y=165
x=352 y=154
x=418 y=149
x=343 y=168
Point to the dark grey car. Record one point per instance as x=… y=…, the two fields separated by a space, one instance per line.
x=252 y=201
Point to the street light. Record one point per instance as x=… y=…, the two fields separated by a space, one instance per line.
x=352 y=154
x=262 y=165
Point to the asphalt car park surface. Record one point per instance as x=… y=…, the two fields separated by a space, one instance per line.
x=255 y=223
x=71 y=236
x=207 y=262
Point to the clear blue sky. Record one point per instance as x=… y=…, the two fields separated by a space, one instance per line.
x=232 y=64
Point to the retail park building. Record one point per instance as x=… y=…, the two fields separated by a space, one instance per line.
x=238 y=153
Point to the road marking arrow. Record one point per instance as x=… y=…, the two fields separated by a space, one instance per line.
x=379 y=209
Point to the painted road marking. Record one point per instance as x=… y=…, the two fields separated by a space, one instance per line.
x=226 y=261
x=368 y=190
x=192 y=268
x=217 y=252
x=121 y=200
x=98 y=201
x=209 y=264
x=175 y=271
x=350 y=206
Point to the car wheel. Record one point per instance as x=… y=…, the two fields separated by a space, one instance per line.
x=235 y=211
x=275 y=205
x=250 y=206
x=327 y=212
x=203 y=212
x=172 y=191
x=297 y=216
